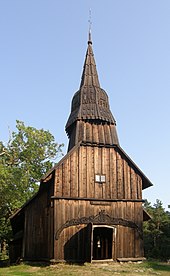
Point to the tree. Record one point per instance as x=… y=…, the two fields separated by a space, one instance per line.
x=157 y=231
x=26 y=157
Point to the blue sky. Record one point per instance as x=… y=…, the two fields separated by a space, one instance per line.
x=42 y=51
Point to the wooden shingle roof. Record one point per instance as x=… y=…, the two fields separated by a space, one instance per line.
x=90 y=102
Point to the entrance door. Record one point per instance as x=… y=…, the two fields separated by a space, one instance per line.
x=102 y=242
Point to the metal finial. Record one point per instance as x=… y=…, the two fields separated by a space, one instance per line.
x=90 y=24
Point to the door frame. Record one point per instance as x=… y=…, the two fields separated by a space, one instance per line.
x=114 y=229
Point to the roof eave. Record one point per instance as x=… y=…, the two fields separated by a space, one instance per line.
x=146 y=182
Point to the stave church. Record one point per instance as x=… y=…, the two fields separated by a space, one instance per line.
x=89 y=206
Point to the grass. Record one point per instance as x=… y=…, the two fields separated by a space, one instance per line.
x=99 y=269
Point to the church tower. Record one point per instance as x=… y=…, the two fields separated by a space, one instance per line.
x=91 y=120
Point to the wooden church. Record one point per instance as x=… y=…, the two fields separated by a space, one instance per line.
x=89 y=206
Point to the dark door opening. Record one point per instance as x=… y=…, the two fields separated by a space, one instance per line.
x=102 y=243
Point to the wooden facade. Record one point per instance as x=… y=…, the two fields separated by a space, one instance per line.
x=89 y=206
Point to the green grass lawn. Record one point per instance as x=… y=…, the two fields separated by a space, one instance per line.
x=131 y=269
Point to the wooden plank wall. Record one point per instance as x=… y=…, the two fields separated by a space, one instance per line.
x=38 y=233
x=75 y=177
x=128 y=243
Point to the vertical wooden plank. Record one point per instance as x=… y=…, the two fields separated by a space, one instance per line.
x=89 y=172
x=97 y=164
x=80 y=175
x=119 y=177
x=64 y=214
x=81 y=131
x=55 y=227
x=126 y=241
x=120 y=235
x=101 y=134
x=78 y=171
x=66 y=178
x=117 y=242
x=133 y=184
x=96 y=169
x=125 y=180
x=88 y=132
x=128 y=187
x=95 y=133
x=107 y=134
x=103 y=170
x=66 y=232
x=117 y=209
x=139 y=221
x=136 y=242
x=113 y=133
x=114 y=174
x=58 y=186
x=139 y=187
x=131 y=237
x=84 y=172
x=62 y=219
x=76 y=165
x=112 y=209
x=51 y=231
x=74 y=184
x=72 y=175
x=92 y=173
x=133 y=230
x=107 y=172
x=111 y=173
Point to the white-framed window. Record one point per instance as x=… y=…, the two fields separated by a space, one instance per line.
x=101 y=178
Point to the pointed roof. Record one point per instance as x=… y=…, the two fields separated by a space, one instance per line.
x=89 y=75
x=90 y=102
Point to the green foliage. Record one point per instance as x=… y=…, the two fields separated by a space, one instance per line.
x=157 y=232
x=26 y=157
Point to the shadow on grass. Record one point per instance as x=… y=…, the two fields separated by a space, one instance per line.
x=36 y=263
x=159 y=266
x=4 y=263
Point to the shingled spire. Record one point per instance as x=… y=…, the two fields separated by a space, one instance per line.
x=89 y=76
x=91 y=120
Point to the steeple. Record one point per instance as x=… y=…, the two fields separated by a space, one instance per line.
x=89 y=76
x=91 y=120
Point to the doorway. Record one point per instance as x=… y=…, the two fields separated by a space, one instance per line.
x=102 y=242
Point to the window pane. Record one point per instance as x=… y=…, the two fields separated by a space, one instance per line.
x=103 y=178
x=97 y=178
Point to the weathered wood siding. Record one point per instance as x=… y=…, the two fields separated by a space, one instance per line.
x=128 y=242
x=92 y=132
x=75 y=194
x=75 y=176
x=38 y=234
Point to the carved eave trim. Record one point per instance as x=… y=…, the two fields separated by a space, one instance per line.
x=100 y=219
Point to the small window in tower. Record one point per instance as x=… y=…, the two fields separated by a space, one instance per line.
x=100 y=178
